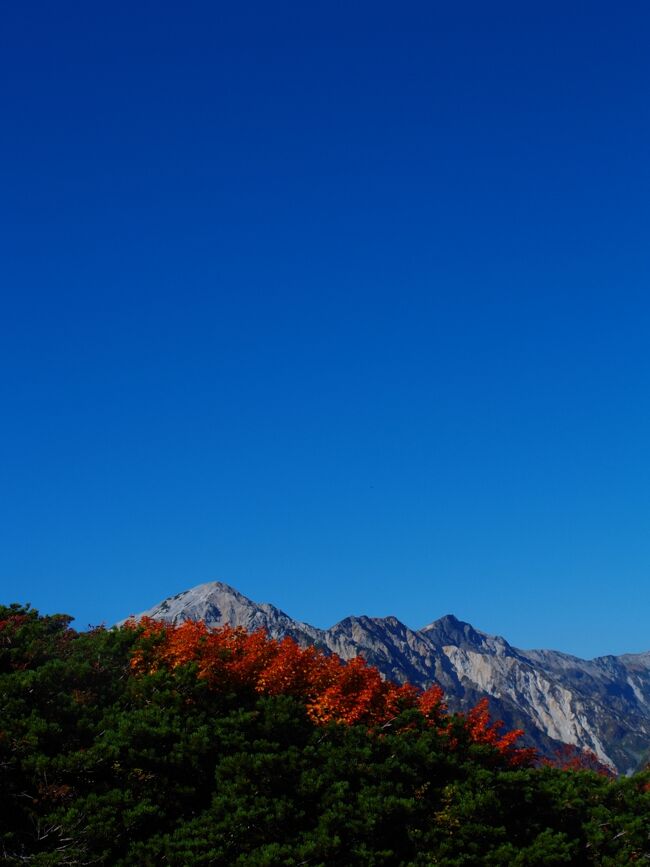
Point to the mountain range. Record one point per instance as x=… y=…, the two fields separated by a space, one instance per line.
x=601 y=705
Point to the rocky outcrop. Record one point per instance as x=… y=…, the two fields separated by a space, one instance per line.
x=602 y=704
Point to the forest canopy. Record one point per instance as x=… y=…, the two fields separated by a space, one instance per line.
x=155 y=744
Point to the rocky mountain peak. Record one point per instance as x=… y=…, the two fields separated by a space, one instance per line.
x=602 y=705
x=449 y=630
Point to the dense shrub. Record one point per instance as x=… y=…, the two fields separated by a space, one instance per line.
x=151 y=745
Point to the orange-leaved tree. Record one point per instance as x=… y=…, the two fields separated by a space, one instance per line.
x=350 y=692
x=569 y=757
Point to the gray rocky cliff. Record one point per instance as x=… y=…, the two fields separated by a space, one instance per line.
x=602 y=704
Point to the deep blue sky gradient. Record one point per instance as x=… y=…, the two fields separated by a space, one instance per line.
x=345 y=304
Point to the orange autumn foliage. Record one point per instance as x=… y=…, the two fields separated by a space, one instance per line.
x=230 y=658
x=484 y=731
x=571 y=758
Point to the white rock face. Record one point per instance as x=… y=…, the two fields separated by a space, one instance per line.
x=602 y=704
x=219 y=605
x=552 y=707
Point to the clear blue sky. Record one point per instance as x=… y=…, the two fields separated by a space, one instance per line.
x=345 y=304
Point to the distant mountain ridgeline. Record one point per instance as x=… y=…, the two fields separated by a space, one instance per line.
x=600 y=705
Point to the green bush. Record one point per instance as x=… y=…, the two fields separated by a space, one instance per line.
x=99 y=766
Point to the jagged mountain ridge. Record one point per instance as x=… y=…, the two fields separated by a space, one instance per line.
x=602 y=704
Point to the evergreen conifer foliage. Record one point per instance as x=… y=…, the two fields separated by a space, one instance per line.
x=153 y=744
